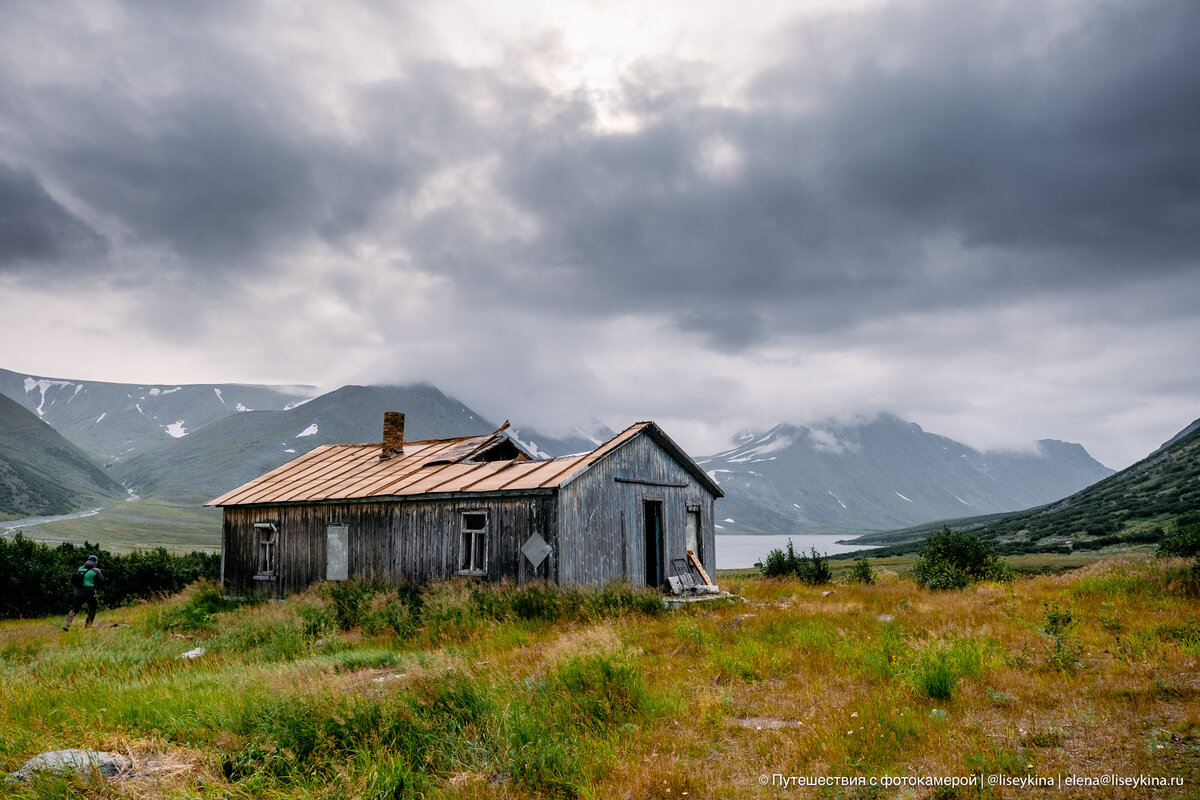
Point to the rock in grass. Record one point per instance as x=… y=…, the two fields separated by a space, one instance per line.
x=108 y=764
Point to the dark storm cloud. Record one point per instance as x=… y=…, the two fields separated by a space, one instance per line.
x=210 y=180
x=191 y=135
x=36 y=231
x=920 y=155
x=1025 y=160
x=1082 y=145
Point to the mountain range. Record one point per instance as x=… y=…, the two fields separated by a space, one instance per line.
x=111 y=420
x=882 y=473
x=187 y=443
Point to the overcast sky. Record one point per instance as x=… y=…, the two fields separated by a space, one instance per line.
x=982 y=217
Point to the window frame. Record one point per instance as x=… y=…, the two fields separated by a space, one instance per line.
x=694 y=511
x=473 y=543
x=266 y=551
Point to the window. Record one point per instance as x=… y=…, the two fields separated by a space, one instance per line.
x=266 y=536
x=337 y=553
x=472 y=556
x=694 y=539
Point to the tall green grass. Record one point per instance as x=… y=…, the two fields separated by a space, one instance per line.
x=464 y=691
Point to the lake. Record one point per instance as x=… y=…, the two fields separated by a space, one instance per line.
x=739 y=552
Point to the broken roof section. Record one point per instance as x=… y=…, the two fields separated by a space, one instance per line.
x=491 y=463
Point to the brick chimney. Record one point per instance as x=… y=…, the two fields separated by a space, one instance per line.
x=393 y=434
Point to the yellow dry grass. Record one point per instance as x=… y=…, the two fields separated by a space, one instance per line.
x=791 y=680
x=1126 y=709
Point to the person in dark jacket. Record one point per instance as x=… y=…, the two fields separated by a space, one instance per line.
x=85 y=580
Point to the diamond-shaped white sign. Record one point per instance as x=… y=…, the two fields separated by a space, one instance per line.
x=536 y=550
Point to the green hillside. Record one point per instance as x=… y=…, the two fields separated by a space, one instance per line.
x=1137 y=506
x=41 y=473
x=1155 y=496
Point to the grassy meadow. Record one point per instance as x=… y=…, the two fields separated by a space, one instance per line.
x=139 y=525
x=472 y=692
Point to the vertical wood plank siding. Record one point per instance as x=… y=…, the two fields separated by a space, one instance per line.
x=595 y=526
x=601 y=515
x=395 y=540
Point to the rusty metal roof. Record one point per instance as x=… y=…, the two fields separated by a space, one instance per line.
x=355 y=471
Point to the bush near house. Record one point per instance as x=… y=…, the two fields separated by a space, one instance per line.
x=953 y=560
x=812 y=569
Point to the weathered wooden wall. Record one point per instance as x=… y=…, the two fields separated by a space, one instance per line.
x=397 y=540
x=601 y=514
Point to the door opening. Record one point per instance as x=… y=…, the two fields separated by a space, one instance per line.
x=653 y=516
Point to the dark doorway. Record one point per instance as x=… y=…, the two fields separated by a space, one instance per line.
x=653 y=516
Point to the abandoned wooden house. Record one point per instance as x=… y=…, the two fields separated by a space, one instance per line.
x=473 y=506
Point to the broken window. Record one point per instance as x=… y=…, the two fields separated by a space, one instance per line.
x=266 y=536
x=472 y=558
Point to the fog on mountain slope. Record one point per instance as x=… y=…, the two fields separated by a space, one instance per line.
x=882 y=474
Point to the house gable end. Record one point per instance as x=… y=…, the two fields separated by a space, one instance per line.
x=656 y=433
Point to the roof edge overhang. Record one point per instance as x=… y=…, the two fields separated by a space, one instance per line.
x=497 y=494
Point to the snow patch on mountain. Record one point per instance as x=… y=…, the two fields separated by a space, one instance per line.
x=42 y=385
x=311 y=430
x=177 y=429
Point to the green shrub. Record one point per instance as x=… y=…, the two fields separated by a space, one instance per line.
x=813 y=569
x=861 y=572
x=196 y=613
x=1184 y=542
x=778 y=564
x=537 y=601
x=1064 y=652
x=351 y=600
x=397 y=615
x=617 y=598
x=36 y=577
x=953 y=560
x=936 y=677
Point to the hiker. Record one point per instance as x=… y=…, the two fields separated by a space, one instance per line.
x=85 y=580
